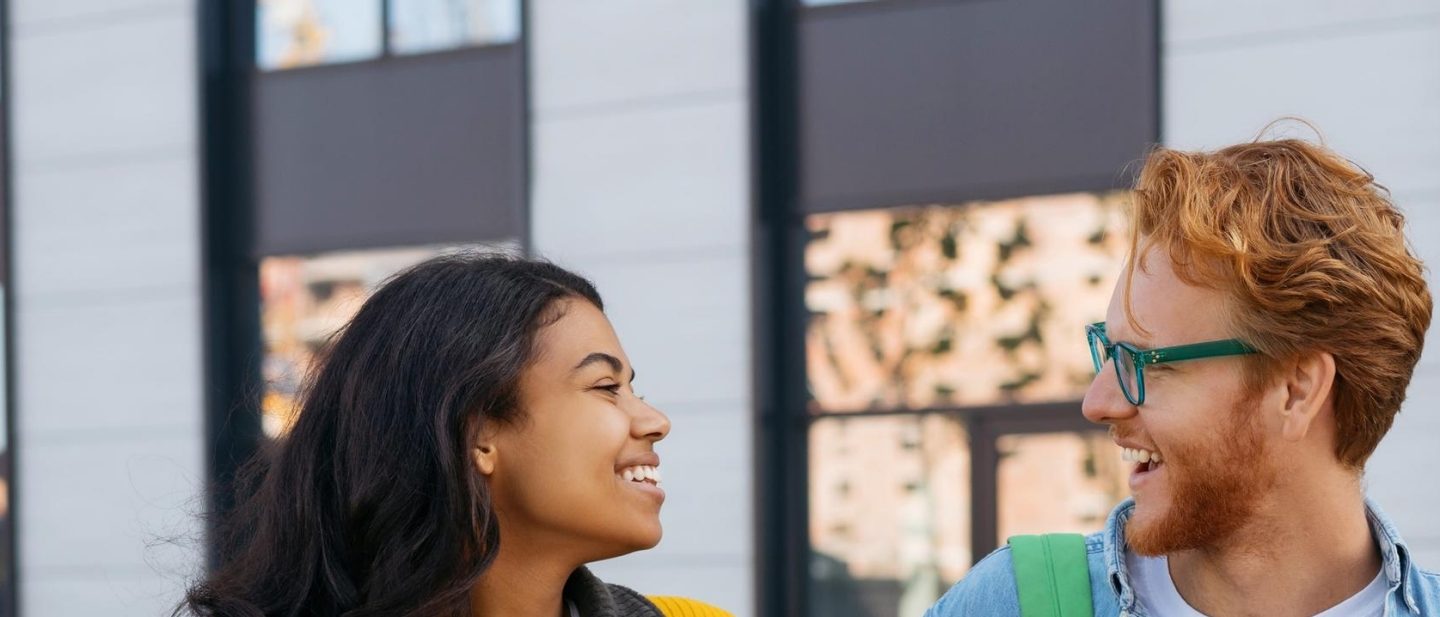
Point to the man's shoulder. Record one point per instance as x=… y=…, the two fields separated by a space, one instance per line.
x=1425 y=589
x=989 y=588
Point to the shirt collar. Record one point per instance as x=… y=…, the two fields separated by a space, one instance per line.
x=1394 y=554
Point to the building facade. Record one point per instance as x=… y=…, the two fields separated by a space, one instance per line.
x=819 y=229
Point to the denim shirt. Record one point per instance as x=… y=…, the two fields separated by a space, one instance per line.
x=989 y=589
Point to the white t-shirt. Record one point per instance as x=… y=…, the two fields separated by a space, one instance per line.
x=1156 y=592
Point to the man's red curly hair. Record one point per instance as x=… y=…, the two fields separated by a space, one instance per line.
x=1312 y=256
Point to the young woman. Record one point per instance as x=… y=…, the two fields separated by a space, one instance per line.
x=466 y=444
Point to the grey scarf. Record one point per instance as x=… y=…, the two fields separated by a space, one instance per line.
x=596 y=599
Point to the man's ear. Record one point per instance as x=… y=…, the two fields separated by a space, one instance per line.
x=1308 y=385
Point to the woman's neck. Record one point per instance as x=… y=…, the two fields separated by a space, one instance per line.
x=521 y=583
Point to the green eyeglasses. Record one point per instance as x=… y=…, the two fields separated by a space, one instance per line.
x=1130 y=361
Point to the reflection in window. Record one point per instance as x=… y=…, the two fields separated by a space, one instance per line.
x=418 y=26
x=304 y=300
x=980 y=304
x=1058 y=483
x=888 y=502
x=294 y=33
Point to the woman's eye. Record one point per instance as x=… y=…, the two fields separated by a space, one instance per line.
x=613 y=388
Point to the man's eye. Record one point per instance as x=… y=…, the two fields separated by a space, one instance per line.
x=612 y=388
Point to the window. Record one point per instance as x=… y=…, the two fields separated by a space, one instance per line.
x=294 y=33
x=298 y=33
x=1057 y=483
x=888 y=497
x=304 y=301
x=983 y=304
x=418 y=26
x=945 y=359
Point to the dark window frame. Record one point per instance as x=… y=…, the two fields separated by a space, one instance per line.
x=782 y=416
x=228 y=72
x=10 y=602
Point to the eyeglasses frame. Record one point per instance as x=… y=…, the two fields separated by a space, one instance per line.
x=1146 y=357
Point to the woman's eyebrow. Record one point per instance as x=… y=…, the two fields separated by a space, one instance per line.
x=600 y=356
x=615 y=365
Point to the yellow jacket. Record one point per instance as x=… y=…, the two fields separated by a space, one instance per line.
x=672 y=606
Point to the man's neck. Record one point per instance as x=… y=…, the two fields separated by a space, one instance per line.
x=1299 y=555
x=523 y=583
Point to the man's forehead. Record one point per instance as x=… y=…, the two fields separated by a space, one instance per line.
x=1162 y=308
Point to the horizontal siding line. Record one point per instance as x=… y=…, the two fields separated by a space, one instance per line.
x=93 y=573
x=1358 y=28
x=115 y=434
x=677 y=256
x=123 y=157
x=95 y=20
x=543 y=115
x=666 y=255
x=25 y=302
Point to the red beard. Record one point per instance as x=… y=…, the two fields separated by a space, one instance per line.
x=1215 y=486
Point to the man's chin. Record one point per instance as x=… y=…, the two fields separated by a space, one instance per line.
x=1145 y=530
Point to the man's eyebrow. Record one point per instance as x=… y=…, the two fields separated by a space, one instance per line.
x=615 y=364
x=1140 y=342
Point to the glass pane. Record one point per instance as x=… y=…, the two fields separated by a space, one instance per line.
x=305 y=299
x=430 y=25
x=292 y=33
x=1058 y=482
x=889 y=513
x=977 y=304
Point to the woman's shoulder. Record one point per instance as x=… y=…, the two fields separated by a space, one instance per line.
x=630 y=602
x=672 y=606
x=597 y=599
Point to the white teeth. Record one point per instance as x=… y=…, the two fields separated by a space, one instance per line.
x=641 y=473
x=1133 y=455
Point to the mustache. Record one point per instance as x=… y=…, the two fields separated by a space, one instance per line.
x=1118 y=433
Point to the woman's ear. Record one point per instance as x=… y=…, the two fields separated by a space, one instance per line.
x=485 y=450
x=485 y=456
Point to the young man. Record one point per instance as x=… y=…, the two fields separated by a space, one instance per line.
x=1289 y=267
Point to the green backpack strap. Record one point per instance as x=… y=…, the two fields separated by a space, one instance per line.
x=1052 y=575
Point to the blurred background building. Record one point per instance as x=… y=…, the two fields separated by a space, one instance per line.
x=850 y=246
